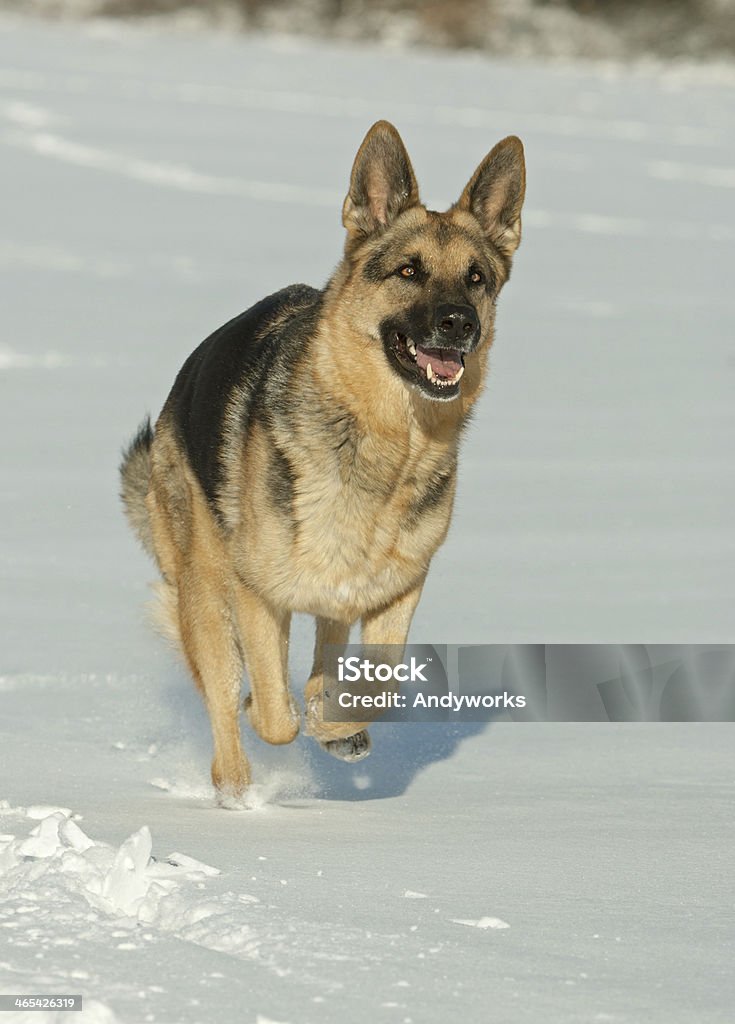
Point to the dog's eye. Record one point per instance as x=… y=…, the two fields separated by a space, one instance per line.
x=476 y=276
x=407 y=270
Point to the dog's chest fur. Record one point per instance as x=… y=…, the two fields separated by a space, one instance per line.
x=356 y=522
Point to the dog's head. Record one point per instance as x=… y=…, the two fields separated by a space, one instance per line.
x=424 y=284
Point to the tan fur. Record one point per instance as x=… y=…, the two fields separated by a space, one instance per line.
x=358 y=539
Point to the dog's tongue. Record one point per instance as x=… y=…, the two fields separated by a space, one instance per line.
x=445 y=362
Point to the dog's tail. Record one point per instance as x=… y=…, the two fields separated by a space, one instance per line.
x=135 y=476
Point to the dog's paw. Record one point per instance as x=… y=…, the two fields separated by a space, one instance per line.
x=231 y=786
x=351 y=748
x=229 y=800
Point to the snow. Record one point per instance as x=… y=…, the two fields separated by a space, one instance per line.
x=484 y=922
x=161 y=184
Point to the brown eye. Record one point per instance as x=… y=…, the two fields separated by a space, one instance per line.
x=408 y=270
x=476 y=276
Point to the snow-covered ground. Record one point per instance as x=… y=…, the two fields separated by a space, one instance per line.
x=153 y=186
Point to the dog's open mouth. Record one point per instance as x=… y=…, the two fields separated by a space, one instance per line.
x=439 y=370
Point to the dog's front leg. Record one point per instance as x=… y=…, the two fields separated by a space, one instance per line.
x=389 y=625
x=264 y=639
x=328 y=631
x=348 y=741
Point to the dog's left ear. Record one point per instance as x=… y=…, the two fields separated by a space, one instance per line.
x=382 y=184
x=494 y=194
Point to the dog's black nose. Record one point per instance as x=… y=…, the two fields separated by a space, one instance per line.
x=456 y=325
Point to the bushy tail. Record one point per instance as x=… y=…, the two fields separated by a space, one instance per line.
x=135 y=475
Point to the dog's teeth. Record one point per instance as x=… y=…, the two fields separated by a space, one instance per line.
x=429 y=372
x=412 y=348
x=459 y=374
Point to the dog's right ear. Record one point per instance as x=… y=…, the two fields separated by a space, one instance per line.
x=382 y=184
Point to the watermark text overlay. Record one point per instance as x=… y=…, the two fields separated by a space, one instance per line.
x=530 y=683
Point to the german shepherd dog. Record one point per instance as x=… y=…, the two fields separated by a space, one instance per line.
x=305 y=459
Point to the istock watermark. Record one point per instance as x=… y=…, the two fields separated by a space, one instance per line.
x=530 y=683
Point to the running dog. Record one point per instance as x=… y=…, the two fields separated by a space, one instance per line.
x=306 y=457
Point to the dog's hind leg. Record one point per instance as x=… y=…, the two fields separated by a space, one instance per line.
x=264 y=639
x=213 y=654
x=349 y=741
x=196 y=603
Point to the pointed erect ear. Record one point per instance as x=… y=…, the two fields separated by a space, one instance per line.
x=382 y=183
x=495 y=194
